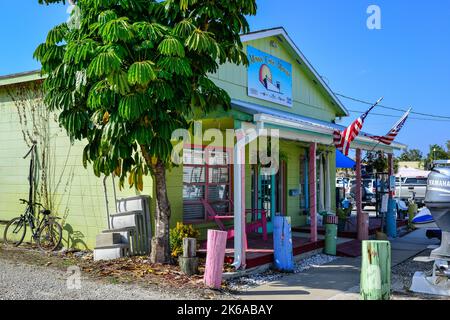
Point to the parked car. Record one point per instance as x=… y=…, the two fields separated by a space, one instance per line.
x=368 y=197
x=405 y=187
x=341 y=182
x=368 y=183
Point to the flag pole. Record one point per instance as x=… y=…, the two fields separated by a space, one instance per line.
x=379 y=142
x=373 y=106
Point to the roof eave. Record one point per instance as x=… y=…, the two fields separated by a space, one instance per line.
x=16 y=78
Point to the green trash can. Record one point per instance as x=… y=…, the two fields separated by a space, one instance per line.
x=331 y=233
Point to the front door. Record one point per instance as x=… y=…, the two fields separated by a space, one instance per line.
x=268 y=193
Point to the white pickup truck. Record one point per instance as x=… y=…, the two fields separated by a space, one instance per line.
x=405 y=187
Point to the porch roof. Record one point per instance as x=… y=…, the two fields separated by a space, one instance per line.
x=316 y=130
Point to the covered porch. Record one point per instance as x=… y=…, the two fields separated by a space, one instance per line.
x=315 y=180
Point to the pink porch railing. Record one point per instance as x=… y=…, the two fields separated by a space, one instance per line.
x=258 y=220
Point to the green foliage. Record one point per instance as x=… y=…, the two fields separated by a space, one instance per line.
x=436 y=152
x=344 y=214
x=411 y=155
x=177 y=235
x=129 y=72
x=376 y=161
x=141 y=73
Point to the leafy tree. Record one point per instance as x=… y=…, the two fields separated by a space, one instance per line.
x=376 y=161
x=411 y=155
x=436 y=152
x=132 y=71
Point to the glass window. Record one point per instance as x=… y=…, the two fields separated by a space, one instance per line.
x=218 y=175
x=205 y=181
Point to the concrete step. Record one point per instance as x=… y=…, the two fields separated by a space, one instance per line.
x=127 y=229
x=108 y=239
x=111 y=252
x=126 y=219
x=126 y=213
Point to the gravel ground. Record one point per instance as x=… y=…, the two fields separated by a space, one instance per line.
x=26 y=282
x=402 y=275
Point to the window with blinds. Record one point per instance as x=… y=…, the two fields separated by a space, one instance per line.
x=206 y=177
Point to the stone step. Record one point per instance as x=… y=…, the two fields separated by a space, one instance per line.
x=108 y=239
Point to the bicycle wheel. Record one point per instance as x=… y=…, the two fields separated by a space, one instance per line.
x=15 y=232
x=49 y=236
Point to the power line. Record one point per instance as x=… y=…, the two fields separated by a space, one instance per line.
x=392 y=108
x=394 y=116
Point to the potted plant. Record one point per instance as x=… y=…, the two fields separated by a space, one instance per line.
x=342 y=219
x=343 y=215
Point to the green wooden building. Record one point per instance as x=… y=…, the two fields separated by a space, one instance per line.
x=279 y=90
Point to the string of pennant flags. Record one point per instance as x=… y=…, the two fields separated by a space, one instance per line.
x=343 y=139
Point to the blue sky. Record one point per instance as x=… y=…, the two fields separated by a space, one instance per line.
x=407 y=61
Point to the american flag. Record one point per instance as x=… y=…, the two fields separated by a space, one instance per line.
x=342 y=140
x=392 y=134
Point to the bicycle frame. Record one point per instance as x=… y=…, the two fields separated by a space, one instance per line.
x=32 y=221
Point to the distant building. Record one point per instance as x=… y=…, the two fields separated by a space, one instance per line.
x=411 y=165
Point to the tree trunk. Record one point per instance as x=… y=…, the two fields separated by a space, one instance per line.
x=160 y=242
x=160 y=252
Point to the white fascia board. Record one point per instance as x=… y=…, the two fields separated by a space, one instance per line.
x=363 y=142
x=292 y=124
x=301 y=56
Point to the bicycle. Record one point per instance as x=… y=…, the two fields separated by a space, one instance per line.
x=46 y=232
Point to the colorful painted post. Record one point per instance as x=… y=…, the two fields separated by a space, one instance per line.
x=215 y=256
x=313 y=190
x=391 y=216
x=376 y=270
x=282 y=244
x=412 y=212
x=391 y=219
x=331 y=234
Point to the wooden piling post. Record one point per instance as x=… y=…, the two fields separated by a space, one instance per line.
x=189 y=261
x=282 y=244
x=215 y=256
x=376 y=270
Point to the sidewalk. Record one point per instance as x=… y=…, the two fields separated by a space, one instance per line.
x=336 y=280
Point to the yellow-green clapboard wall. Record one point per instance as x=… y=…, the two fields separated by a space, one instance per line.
x=309 y=98
x=77 y=192
x=80 y=195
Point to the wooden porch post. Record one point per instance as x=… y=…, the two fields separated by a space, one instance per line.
x=313 y=190
x=361 y=218
x=391 y=218
x=390 y=164
x=244 y=213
